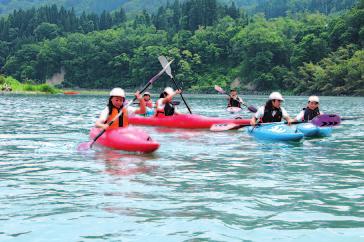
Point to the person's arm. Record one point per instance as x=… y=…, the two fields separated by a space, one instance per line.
x=257 y=116
x=299 y=117
x=240 y=100
x=142 y=108
x=100 y=122
x=286 y=116
x=170 y=96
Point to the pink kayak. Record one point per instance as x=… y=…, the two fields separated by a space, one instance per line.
x=184 y=121
x=127 y=139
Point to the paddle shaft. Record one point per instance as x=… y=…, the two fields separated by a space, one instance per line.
x=135 y=98
x=259 y=124
x=163 y=60
x=175 y=84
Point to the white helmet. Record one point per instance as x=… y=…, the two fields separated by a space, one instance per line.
x=314 y=99
x=117 y=92
x=146 y=93
x=168 y=90
x=276 y=96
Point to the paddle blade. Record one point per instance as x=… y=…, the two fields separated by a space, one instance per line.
x=164 y=62
x=176 y=103
x=84 y=146
x=225 y=127
x=326 y=120
x=219 y=89
x=252 y=109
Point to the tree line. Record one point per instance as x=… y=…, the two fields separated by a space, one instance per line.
x=211 y=44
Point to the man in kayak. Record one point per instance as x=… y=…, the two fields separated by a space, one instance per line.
x=115 y=105
x=164 y=105
x=234 y=100
x=310 y=111
x=272 y=111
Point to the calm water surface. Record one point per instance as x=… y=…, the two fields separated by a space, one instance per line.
x=199 y=185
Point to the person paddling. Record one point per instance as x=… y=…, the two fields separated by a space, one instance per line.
x=148 y=100
x=310 y=111
x=272 y=111
x=234 y=100
x=149 y=105
x=164 y=105
x=115 y=105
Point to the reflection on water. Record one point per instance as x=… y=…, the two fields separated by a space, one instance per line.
x=199 y=185
x=119 y=164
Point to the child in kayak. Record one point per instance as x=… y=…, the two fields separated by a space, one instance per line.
x=148 y=101
x=272 y=111
x=310 y=111
x=234 y=100
x=164 y=105
x=149 y=105
x=117 y=104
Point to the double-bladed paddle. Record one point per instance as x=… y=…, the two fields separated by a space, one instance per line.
x=324 y=120
x=163 y=60
x=88 y=145
x=250 y=108
x=173 y=102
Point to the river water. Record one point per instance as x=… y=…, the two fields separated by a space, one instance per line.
x=198 y=186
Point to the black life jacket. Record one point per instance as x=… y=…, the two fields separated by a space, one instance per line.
x=168 y=109
x=268 y=117
x=310 y=114
x=234 y=102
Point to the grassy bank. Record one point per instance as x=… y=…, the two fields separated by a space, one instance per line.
x=10 y=84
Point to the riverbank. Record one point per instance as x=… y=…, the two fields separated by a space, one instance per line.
x=11 y=85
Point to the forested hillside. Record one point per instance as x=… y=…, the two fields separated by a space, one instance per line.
x=79 y=6
x=211 y=44
x=271 y=8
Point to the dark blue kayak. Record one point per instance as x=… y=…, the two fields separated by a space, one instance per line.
x=276 y=132
x=310 y=130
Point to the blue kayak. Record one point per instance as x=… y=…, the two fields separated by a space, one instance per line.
x=310 y=130
x=276 y=132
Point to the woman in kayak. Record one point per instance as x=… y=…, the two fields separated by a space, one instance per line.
x=164 y=105
x=117 y=104
x=234 y=100
x=272 y=111
x=310 y=111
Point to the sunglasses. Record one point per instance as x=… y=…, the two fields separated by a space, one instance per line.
x=277 y=100
x=316 y=103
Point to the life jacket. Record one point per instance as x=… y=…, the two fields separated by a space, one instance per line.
x=268 y=117
x=310 y=114
x=122 y=121
x=234 y=102
x=168 y=110
x=149 y=104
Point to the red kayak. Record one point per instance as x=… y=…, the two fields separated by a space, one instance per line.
x=184 y=121
x=71 y=93
x=128 y=139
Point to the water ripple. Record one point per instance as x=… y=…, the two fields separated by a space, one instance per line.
x=198 y=186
